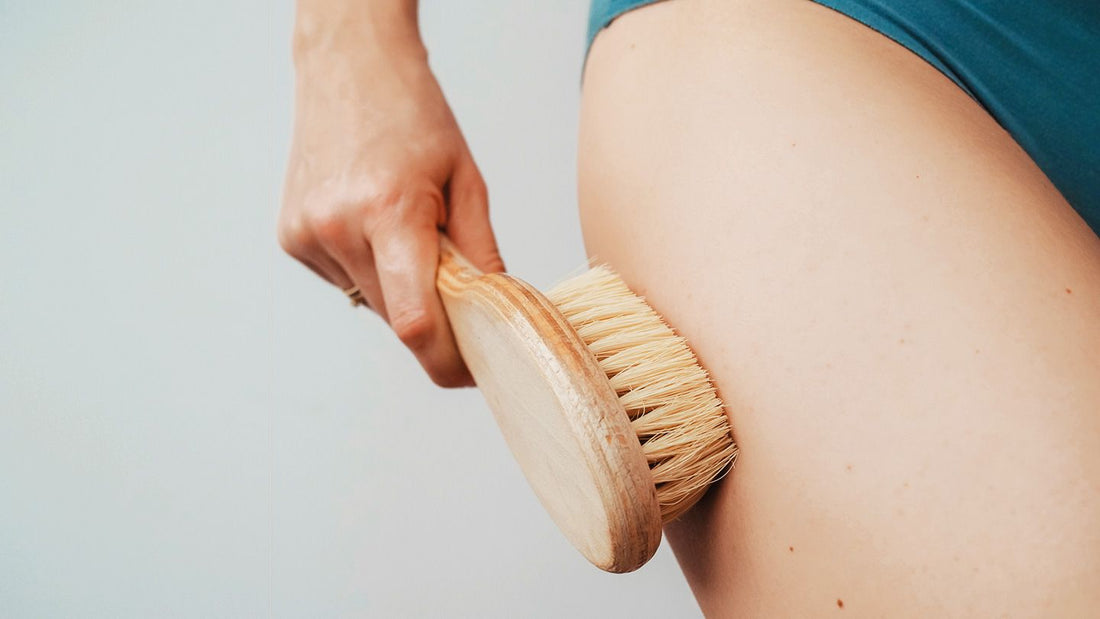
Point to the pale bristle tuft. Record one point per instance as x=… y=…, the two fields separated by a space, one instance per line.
x=679 y=420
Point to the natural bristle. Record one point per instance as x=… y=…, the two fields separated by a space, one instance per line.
x=671 y=402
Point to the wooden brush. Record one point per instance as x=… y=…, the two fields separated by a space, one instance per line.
x=614 y=423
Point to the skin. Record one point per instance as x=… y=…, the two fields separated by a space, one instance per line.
x=900 y=311
x=378 y=170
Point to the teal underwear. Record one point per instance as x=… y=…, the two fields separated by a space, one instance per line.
x=1033 y=65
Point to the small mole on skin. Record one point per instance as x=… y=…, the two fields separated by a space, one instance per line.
x=901 y=341
x=849 y=467
x=839 y=603
x=1068 y=291
x=790 y=548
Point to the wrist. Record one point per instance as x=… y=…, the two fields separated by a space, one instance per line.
x=378 y=29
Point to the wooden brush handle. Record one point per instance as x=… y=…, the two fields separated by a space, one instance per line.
x=455 y=271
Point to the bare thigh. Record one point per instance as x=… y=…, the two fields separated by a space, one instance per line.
x=901 y=312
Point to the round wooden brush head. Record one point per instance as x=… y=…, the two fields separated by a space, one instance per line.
x=614 y=424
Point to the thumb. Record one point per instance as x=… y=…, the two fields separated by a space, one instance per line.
x=468 y=217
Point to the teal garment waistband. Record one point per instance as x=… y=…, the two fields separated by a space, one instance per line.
x=1034 y=66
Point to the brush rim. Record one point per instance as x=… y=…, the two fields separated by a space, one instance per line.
x=621 y=530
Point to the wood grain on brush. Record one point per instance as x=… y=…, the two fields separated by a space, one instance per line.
x=614 y=441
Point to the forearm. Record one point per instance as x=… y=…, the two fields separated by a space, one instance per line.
x=371 y=27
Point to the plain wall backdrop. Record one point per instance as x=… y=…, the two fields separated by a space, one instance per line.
x=192 y=424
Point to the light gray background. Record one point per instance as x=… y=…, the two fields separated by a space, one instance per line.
x=191 y=424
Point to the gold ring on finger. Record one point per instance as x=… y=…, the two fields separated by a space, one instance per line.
x=356 y=296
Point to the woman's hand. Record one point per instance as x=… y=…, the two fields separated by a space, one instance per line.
x=378 y=167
